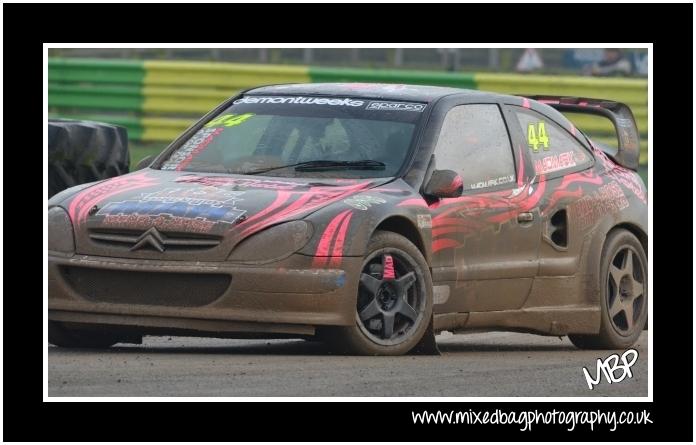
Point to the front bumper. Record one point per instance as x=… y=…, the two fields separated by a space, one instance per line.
x=285 y=293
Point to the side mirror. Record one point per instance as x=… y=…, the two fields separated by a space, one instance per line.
x=444 y=184
x=145 y=162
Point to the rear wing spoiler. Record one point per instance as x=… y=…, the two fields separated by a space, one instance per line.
x=618 y=113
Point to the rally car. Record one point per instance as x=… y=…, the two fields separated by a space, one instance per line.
x=369 y=216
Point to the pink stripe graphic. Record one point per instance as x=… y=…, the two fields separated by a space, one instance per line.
x=337 y=252
x=324 y=245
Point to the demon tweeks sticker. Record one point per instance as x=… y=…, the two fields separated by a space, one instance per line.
x=301 y=100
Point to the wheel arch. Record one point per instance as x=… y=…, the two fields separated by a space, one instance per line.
x=636 y=230
x=406 y=228
x=600 y=242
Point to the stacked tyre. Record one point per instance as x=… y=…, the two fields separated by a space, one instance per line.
x=84 y=151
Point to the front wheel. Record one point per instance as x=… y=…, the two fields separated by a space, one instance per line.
x=624 y=294
x=394 y=303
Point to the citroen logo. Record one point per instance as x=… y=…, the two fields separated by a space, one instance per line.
x=151 y=237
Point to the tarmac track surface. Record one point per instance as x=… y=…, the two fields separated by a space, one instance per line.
x=483 y=364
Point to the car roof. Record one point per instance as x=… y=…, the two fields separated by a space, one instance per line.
x=387 y=91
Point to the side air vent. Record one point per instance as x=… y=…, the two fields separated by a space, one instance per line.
x=558 y=228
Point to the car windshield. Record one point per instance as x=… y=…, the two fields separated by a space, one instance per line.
x=302 y=136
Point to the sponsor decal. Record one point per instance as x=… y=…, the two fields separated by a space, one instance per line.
x=222 y=181
x=623 y=122
x=424 y=221
x=300 y=100
x=607 y=199
x=629 y=142
x=493 y=182
x=627 y=178
x=396 y=106
x=84 y=201
x=165 y=223
x=631 y=181
x=197 y=208
x=198 y=142
x=388 y=87
x=363 y=202
x=195 y=196
x=553 y=163
x=388 y=274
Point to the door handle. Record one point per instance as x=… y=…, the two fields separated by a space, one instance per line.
x=525 y=217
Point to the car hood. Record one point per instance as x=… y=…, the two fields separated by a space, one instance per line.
x=153 y=214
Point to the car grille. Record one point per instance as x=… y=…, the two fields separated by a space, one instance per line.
x=154 y=240
x=151 y=288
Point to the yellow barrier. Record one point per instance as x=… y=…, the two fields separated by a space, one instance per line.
x=157 y=100
x=633 y=92
x=220 y=75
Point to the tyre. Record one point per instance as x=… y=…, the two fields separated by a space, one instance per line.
x=83 y=151
x=394 y=303
x=624 y=294
x=59 y=335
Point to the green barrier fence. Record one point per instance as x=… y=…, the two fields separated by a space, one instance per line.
x=157 y=100
x=459 y=80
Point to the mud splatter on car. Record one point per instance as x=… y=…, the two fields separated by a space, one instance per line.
x=372 y=216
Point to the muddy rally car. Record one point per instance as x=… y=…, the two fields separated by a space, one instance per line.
x=368 y=216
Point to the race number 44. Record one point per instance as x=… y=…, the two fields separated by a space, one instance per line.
x=228 y=120
x=537 y=137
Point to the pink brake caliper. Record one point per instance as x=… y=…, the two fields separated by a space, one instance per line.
x=388 y=273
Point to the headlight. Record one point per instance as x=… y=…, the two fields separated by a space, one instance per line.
x=273 y=243
x=60 y=231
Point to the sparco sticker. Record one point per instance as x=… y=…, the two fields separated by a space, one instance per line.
x=396 y=106
x=300 y=100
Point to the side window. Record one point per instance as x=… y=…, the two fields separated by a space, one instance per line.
x=551 y=148
x=474 y=142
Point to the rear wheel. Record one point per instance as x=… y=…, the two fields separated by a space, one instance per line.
x=394 y=302
x=624 y=294
x=59 y=335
